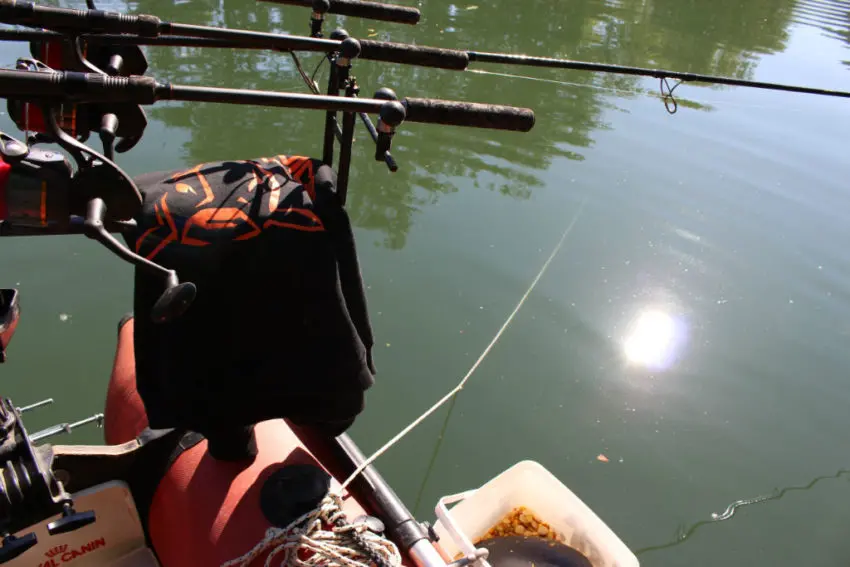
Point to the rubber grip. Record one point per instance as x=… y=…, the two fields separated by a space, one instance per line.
x=361 y=9
x=470 y=114
x=27 y=13
x=413 y=55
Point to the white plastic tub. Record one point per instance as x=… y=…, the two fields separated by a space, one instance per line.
x=530 y=485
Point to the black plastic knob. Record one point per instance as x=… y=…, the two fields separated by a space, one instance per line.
x=173 y=302
x=14 y=546
x=339 y=34
x=292 y=491
x=71 y=522
x=392 y=113
x=386 y=94
x=349 y=49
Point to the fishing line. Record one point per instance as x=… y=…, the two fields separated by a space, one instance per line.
x=727 y=514
x=630 y=92
x=477 y=363
x=309 y=81
x=437 y=446
x=554 y=81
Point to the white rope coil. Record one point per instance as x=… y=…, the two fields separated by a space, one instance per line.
x=329 y=539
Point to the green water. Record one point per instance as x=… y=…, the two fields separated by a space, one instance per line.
x=693 y=328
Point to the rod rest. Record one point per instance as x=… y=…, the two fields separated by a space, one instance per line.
x=29 y=491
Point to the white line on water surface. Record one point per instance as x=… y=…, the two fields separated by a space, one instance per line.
x=480 y=359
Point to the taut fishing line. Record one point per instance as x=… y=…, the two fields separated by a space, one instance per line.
x=454 y=391
x=629 y=92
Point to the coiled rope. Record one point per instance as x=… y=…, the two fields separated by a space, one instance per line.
x=323 y=538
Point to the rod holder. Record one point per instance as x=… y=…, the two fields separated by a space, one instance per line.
x=317 y=17
x=390 y=116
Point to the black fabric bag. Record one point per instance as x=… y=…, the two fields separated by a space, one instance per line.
x=279 y=326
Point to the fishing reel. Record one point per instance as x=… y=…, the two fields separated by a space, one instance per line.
x=29 y=491
x=126 y=122
x=41 y=193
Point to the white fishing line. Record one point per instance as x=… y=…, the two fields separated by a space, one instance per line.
x=554 y=81
x=477 y=363
x=647 y=92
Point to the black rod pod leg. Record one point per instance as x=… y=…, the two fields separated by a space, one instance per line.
x=348 y=50
x=334 y=86
x=177 y=296
x=339 y=34
x=348 y=122
x=320 y=8
x=391 y=115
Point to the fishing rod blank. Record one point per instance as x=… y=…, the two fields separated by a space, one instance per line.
x=360 y=9
x=73 y=86
x=406 y=54
x=549 y=62
x=98 y=21
x=374 y=50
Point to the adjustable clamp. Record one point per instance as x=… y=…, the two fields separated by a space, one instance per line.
x=390 y=116
x=317 y=17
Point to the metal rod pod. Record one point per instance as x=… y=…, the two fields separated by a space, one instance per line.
x=65 y=427
x=36 y=405
x=361 y=9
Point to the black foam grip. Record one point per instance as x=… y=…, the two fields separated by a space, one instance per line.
x=413 y=55
x=77 y=86
x=471 y=114
x=27 y=13
x=360 y=9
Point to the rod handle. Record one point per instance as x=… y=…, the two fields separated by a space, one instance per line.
x=91 y=21
x=361 y=9
x=471 y=114
x=413 y=55
x=77 y=86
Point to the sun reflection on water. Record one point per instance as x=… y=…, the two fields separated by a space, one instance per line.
x=654 y=340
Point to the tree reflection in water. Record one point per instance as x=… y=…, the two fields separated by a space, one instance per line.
x=569 y=105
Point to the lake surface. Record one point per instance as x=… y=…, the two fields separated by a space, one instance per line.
x=693 y=328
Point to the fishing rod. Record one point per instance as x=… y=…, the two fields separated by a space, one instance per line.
x=75 y=86
x=88 y=22
x=408 y=54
